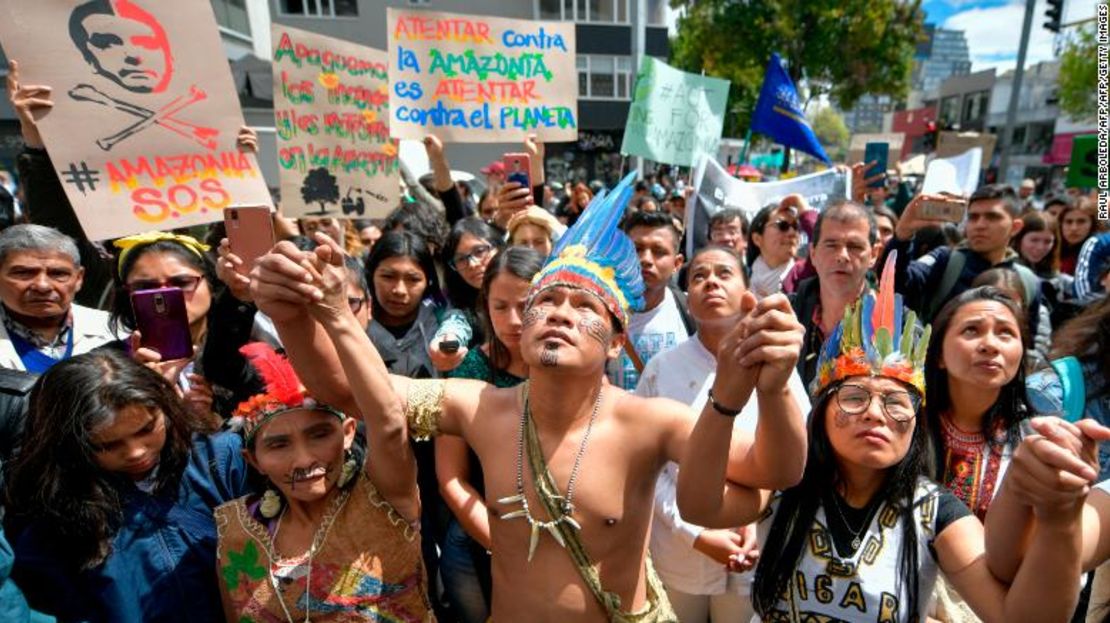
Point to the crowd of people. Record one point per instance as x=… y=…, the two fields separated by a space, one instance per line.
x=530 y=405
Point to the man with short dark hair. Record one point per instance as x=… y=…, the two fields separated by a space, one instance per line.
x=844 y=248
x=664 y=321
x=993 y=217
x=729 y=227
x=40 y=273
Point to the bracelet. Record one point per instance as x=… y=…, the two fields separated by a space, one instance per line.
x=719 y=408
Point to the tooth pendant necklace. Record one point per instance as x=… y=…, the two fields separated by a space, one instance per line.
x=564 y=504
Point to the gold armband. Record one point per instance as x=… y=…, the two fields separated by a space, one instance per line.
x=424 y=407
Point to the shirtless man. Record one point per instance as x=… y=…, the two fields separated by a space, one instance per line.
x=603 y=447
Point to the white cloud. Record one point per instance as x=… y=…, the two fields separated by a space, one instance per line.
x=993 y=35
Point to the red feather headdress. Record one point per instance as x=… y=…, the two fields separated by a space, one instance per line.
x=284 y=391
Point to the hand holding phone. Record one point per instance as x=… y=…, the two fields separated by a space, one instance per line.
x=250 y=233
x=518 y=168
x=878 y=153
x=162 y=320
x=943 y=209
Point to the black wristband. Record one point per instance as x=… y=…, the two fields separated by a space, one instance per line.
x=719 y=408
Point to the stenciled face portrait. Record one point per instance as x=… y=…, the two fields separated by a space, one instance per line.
x=123 y=43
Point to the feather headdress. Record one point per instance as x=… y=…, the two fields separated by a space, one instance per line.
x=596 y=256
x=284 y=391
x=874 y=339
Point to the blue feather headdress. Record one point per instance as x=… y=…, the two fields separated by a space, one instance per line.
x=596 y=256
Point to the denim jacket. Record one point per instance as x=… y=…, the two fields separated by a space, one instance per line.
x=162 y=567
x=1046 y=396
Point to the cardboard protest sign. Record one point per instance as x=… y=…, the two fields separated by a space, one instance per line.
x=675 y=116
x=717 y=190
x=955 y=143
x=145 y=117
x=1083 y=169
x=859 y=143
x=331 y=112
x=478 y=79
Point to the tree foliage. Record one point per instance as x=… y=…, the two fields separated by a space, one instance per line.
x=840 y=48
x=830 y=129
x=1078 y=75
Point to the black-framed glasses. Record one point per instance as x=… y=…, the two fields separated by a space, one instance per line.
x=784 y=225
x=186 y=283
x=900 y=406
x=355 y=303
x=477 y=254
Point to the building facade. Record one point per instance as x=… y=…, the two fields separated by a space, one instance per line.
x=943 y=54
x=1035 y=121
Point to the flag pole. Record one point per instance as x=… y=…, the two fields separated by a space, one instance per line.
x=744 y=151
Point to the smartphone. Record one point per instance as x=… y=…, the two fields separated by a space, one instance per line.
x=449 y=347
x=879 y=153
x=250 y=232
x=518 y=168
x=952 y=211
x=161 y=318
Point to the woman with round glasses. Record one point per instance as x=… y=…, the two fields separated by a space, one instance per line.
x=469 y=249
x=863 y=535
x=773 y=243
x=219 y=323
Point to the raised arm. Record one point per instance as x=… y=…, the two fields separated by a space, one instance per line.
x=760 y=353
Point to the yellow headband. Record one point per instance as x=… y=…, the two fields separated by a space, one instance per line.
x=128 y=244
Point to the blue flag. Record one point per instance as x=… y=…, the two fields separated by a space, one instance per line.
x=778 y=114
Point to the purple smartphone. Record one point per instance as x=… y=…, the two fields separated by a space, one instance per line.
x=160 y=316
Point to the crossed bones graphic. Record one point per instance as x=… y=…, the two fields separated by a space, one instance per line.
x=164 y=116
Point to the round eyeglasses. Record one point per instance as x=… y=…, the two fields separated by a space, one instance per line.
x=900 y=406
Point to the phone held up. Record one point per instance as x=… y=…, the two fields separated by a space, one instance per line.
x=951 y=210
x=250 y=232
x=518 y=168
x=163 y=322
x=878 y=153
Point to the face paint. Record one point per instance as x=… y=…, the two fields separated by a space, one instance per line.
x=842 y=419
x=549 y=356
x=533 y=316
x=595 y=328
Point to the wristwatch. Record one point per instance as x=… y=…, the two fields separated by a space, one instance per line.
x=723 y=410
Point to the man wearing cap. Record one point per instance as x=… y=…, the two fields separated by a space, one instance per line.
x=40 y=273
x=1027 y=192
x=570 y=461
x=495 y=173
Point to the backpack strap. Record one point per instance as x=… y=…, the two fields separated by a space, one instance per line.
x=1030 y=282
x=952 y=272
x=1073 y=388
x=683 y=310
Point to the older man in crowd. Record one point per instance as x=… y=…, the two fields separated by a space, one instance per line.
x=40 y=273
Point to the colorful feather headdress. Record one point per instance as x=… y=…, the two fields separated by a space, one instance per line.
x=596 y=256
x=874 y=339
x=284 y=391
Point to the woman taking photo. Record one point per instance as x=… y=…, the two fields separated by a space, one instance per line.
x=862 y=537
x=217 y=377
x=115 y=488
x=331 y=538
x=470 y=247
x=464 y=562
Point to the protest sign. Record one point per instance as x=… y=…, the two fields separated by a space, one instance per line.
x=958 y=175
x=331 y=112
x=717 y=190
x=1083 y=169
x=479 y=79
x=955 y=143
x=859 y=143
x=675 y=116
x=145 y=117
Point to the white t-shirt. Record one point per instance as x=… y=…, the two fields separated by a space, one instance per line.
x=651 y=332
x=686 y=373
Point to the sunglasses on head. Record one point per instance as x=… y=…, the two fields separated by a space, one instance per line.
x=784 y=225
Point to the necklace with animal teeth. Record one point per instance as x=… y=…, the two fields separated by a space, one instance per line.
x=563 y=503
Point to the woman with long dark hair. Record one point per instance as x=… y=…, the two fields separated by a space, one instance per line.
x=470 y=247
x=863 y=535
x=217 y=377
x=110 y=499
x=465 y=559
x=976 y=398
